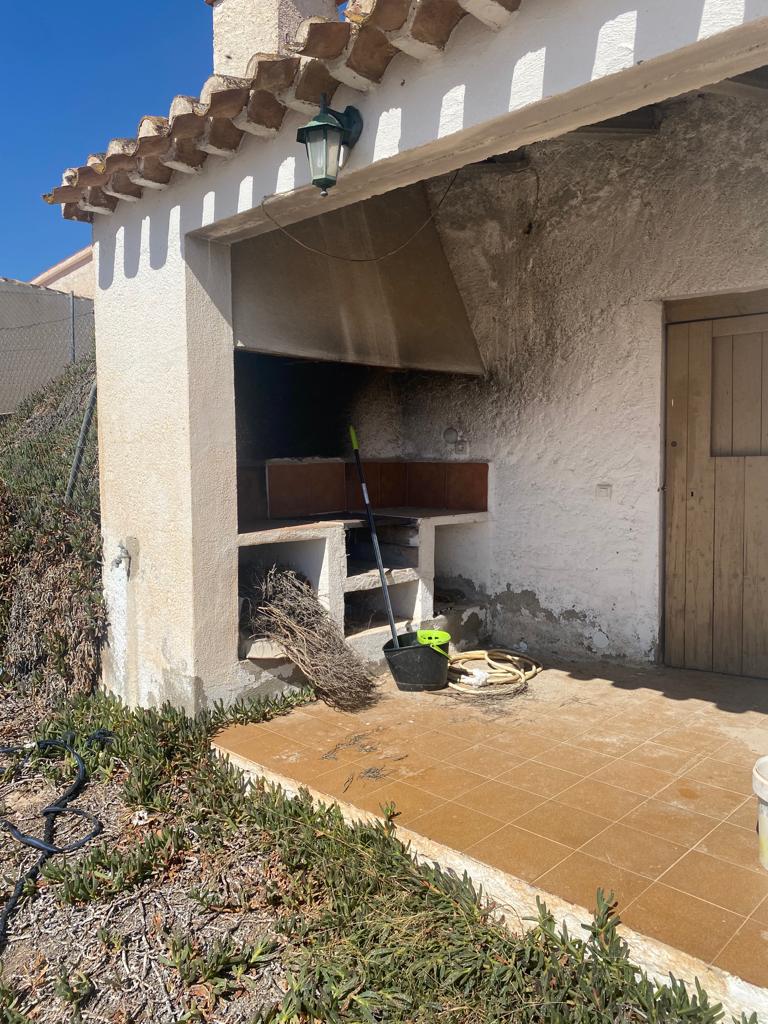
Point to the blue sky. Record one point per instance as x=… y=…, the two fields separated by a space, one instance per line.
x=73 y=76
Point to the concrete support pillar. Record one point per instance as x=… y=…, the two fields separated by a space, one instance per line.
x=213 y=469
x=167 y=464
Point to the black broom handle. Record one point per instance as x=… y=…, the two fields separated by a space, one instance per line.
x=374 y=536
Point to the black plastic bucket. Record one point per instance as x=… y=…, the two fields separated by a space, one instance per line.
x=416 y=666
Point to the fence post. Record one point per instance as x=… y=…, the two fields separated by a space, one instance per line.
x=72 y=338
x=85 y=427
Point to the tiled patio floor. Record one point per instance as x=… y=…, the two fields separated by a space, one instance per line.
x=636 y=781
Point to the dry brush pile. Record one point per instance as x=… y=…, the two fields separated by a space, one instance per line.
x=281 y=606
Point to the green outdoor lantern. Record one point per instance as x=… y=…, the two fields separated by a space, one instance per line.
x=324 y=137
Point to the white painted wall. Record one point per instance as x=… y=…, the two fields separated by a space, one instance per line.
x=165 y=368
x=568 y=318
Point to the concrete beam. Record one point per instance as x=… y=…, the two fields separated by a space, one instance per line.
x=751 y=86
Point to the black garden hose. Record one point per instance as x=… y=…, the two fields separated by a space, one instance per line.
x=47 y=846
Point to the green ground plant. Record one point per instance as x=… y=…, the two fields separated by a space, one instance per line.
x=105 y=870
x=223 y=965
x=369 y=934
x=76 y=991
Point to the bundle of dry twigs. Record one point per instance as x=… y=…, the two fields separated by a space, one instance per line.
x=280 y=606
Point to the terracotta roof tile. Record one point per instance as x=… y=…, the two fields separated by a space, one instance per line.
x=355 y=52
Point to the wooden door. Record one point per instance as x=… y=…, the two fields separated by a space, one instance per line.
x=716 y=581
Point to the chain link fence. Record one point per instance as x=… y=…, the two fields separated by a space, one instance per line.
x=47 y=372
x=52 y=619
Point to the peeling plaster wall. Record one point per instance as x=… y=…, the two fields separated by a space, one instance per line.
x=565 y=296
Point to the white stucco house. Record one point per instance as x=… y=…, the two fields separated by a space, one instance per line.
x=558 y=381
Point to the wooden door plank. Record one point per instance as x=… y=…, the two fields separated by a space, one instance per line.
x=748 y=393
x=675 y=493
x=764 y=423
x=722 y=395
x=740 y=325
x=755 y=630
x=700 y=512
x=728 y=566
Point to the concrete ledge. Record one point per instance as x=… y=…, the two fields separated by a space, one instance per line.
x=371 y=580
x=514 y=900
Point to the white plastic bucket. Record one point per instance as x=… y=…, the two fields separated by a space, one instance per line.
x=760 y=786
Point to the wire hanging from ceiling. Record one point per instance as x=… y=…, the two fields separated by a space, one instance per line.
x=363 y=259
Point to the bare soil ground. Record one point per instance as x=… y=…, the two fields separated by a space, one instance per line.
x=128 y=956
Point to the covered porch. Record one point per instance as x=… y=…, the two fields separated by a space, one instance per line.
x=636 y=781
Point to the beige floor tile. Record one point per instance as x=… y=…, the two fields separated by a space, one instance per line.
x=665 y=759
x=442 y=745
x=252 y=742
x=567 y=825
x=677 y=824
x=578 y=878
x=539 y=778
x=574 y=759
x=442 y=780
x=562 y=729
x=746 y=955
x=303 y=765
x=746 y=814
x=601 y=799
x=733 y=843
x=761 y=913
x=682 y=737
x=404 y=766
x=351 y=746
x=345 y=719
x=682 y=921
x=521 y=741
x=719 y=773
x=699 y=797
x=742 y=751
x=409 y=802
x=391 y=744
x=728 y=885
x=347 y=783
x=454 y=825
x=612 y=744
x=648 y=720
x=500 y=801
x=307 y=728
x=518 y=852
x=470 y=729
x=637 y=778
x=488 y=761
x=640 y=852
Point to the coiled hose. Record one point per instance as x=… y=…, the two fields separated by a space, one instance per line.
x=47 y=846
x=507 y=671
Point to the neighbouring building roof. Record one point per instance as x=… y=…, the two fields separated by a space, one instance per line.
x=73 y=274
x=39 y=337
x=325 y=54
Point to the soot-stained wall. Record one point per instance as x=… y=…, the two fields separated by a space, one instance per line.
x=563 y=269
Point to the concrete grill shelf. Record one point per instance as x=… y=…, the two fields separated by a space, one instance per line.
x=334 y=554
x=364 y=578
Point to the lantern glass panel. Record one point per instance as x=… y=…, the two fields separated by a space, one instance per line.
x=334 y=152
x=316 y=152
